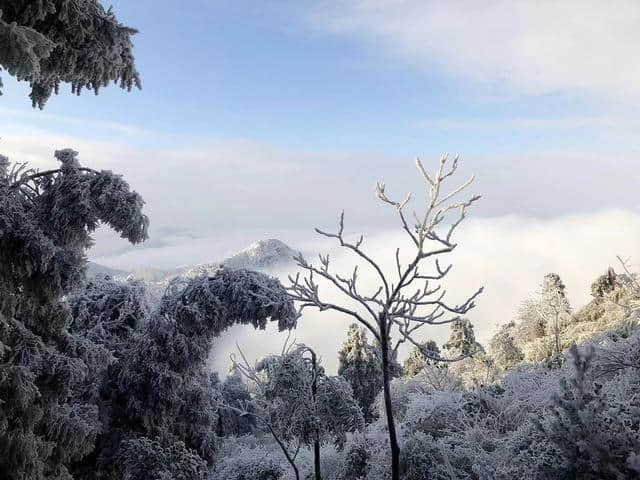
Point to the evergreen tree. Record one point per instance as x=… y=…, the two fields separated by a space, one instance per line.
x=160 y=392
x=604 y=284
x=503 y=349
x=530 y=324
x=359 y=365
x=420 y=357
x=105 y=315
x=45 y=224
x=462 y=339
x=144 y=459
x=49 y=42
x=554 y=307
x=234 y=392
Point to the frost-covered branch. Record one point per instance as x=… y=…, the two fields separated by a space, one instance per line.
x=397 y=305
x=31 y=175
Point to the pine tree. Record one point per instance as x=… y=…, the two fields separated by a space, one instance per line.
x=45 y=224
x=604 y=284
x=234 y=392
x=50 y=42
x=160 y=392
x=462 y=339
x=554 y=307
x=359 y=365
x=418 y=359
x=594 y=433
x=503 y=349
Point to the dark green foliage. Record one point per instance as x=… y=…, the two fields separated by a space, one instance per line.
x=49 y=42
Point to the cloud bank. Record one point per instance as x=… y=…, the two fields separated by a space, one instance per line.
x=213 y=197
x=507 y=255
x=531 y=47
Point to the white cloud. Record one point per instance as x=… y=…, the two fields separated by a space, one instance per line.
x=40 y=118
x=508 y=255
x=599 y=122
x=211 y=197
x=531 y=46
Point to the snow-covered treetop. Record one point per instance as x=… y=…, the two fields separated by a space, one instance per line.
x=50 y=42
x=48 y=217
x=215 y=302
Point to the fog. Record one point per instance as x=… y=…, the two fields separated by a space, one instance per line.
x=507 y=255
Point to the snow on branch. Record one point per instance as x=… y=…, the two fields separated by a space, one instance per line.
x=410 y=300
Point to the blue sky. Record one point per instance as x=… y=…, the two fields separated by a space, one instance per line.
x=269 y=117
x=258 y=70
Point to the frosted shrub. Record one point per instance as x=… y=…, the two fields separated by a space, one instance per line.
x=248 y=463
x=437 y=414
x=142 y=458
x=356 y=458
x=595 y=429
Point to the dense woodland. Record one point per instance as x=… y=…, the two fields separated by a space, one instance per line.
x=98 y=379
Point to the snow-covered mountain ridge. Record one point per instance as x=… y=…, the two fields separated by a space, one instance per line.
x=261 y=255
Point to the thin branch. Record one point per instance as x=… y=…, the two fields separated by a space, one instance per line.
x=45 y=173
x=356 y=249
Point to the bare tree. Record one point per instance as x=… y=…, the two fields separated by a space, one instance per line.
x=402 y=305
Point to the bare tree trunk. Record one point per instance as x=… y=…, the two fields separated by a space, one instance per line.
x=316 y=458
x=386 y=379
x=316 y=440
x=557 y=335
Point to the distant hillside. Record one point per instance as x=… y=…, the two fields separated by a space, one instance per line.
x=263 y=255
x=613 y=311
x=94 y=269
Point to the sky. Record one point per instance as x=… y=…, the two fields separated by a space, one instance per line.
x=266 y=119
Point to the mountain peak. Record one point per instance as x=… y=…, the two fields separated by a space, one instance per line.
x=262 y=254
